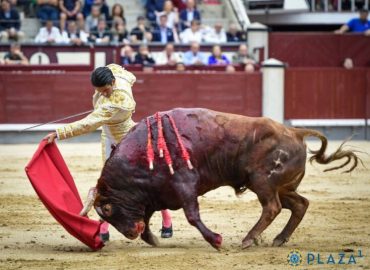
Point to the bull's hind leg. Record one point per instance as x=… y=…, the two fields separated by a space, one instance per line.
x=271 y=207
x=298 y=205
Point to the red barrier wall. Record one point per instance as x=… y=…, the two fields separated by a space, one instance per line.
x=327 y=93
x=37 y=98
x=319 y=49
x=310 y=93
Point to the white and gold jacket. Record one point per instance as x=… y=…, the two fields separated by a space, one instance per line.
x=113 y=114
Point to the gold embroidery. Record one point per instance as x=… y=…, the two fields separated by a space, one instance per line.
x=114 y=112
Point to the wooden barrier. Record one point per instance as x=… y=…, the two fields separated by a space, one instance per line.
x=310 y=93
x=27 y=97
x=327 y=93
x=319 y=49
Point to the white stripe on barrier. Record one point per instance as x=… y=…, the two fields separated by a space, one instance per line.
x=328 y=122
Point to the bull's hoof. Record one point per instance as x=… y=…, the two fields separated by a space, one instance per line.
x=247 y=243
x=258 y=240
x=216 y=241
x=279 y=242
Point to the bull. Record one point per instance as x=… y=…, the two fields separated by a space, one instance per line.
x=258 y=154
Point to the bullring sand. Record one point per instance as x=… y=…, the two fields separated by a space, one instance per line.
x=336 y=222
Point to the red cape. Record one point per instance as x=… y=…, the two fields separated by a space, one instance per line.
x=54 y=184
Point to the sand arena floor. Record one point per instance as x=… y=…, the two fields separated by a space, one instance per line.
x=336 y=222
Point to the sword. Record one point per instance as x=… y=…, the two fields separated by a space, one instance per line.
x=55 y=121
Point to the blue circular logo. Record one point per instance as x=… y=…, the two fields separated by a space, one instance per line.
x=294 y=258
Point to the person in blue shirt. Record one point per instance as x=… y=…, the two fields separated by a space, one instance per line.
x=357 y=25
x=217 y=58
x=10 y=23
x=189 y=14
x=162 y=33
x=194 y=56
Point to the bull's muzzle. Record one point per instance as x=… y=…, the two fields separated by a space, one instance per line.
x=134 y=232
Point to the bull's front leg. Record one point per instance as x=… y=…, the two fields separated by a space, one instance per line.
x=147 y=234
x=185 y=186
x=191 y=209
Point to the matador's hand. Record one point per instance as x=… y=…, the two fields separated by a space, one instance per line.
x=51 y=137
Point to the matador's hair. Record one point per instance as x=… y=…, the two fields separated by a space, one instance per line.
x=102 y=76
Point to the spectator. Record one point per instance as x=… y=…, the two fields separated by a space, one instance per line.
x=49 y=34
x=127 y=55
x=357 y=25
x=216 y=35
x=320 y=5
x=103 y=8
x=141 y=32
x=152 y=7
x=194 y=56
x=92 y=20
x=73 y=35
x=230 y=69
x=162 y=33
x=15 y=55
x=348 y=63
x=143 y=56
x=189 y=14
x=47 y=10
x=180 y=67
x=234 y=35
x=118 y=14
x=172 y=15
x=10 y=23
x=100 y=34
x=217 y=58
x=70 y=10
x=120 y=33
x=242 y=57
x=168 y=56
x=194 y=33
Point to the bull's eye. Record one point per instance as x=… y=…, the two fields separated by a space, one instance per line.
x=107 y=210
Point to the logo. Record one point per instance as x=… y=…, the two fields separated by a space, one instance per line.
x=294 y=258
x=346 y=257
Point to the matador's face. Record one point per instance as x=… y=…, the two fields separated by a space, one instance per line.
x=106 y=90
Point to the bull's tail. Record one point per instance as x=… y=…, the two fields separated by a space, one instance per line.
x=319 y=155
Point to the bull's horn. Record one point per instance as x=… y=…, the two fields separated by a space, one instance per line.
x=89 y=201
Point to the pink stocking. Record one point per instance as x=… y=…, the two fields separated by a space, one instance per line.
x=166 y=218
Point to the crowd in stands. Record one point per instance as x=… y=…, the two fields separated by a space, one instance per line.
x=93 y=21
x=163 y=22
x=346 y=5
x=79 y=22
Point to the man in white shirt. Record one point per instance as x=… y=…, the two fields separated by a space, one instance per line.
x=216 y=35
x=49 y=34
x=194 y=33
x=168 y=56
x=73 y=35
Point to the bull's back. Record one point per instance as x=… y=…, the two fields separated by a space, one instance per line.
x=220 y=144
